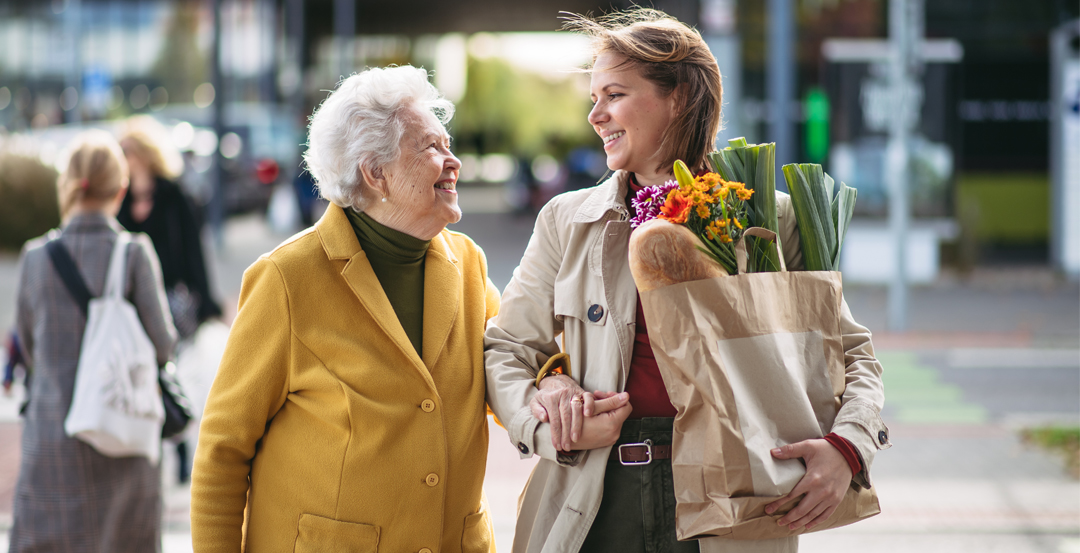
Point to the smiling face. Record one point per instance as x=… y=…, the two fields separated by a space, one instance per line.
x=630 y=114
x=420 y=186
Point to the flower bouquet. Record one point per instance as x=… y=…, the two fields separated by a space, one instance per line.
x=713 y=209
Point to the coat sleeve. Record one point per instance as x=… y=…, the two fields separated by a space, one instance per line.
x=251 y=385
x=521 y=339
x=147 y=291
x=491 y=292
x=859 y=419
x=24 y=312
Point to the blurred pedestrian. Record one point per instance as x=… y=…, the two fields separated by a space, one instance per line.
x=348 y=412
x=657 y=96
x=307 y=197
x=69 y=497
x=157 y=206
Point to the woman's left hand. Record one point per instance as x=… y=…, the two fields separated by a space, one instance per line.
x=826 y=480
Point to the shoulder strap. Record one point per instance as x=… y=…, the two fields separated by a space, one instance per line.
x=114 y=279
x=69 y=273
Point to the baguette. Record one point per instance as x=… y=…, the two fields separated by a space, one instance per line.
x=663 y=253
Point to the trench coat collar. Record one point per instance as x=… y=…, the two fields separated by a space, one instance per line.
x=607 y=196
x=442 y=288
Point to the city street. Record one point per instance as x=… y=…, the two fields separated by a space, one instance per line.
x=986 y=356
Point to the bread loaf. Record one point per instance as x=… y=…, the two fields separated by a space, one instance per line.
x=663 y=253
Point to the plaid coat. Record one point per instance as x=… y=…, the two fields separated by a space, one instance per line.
x=69 y=497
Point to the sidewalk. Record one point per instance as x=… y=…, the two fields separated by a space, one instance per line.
x=985 y=357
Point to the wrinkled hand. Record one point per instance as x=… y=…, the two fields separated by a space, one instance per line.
x=826 y=480
x=555 y=403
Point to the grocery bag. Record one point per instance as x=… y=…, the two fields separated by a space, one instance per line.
x=751 y=362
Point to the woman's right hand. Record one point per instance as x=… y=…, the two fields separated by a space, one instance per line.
x=565 y=405
x=603 y=428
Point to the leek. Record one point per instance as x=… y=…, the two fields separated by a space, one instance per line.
x=823 y=217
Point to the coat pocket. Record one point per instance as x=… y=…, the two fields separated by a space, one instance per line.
x=317 y=534
x=476 y=537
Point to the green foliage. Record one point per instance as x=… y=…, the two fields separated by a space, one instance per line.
x=28 y=204
x=510 y=111
x=1063 y=440
x=182 y=64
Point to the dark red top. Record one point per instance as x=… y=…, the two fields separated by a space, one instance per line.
x=648 y=395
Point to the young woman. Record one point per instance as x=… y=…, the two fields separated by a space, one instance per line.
x=657 y=96
x=69 y=497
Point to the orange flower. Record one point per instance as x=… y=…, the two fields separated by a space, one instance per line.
x=744 y=194
x=715 y=229
x=737 y=223
x=676 y=209
x=703 y=211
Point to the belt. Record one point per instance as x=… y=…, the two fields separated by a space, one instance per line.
x=643 y=453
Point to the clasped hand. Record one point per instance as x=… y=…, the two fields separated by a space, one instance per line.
x=579 y=420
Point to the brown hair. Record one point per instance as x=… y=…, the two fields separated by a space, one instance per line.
x=673 y=56
x=148 y=140
x=96 y=170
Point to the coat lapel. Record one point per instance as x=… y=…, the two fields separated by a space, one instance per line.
x=442 y=297
x=340 y=243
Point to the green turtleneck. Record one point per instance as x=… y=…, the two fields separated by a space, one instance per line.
x=398 y=262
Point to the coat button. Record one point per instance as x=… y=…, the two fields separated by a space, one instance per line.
x=425 y=550
x=596 y=312
x=882 y=437
x=427 y=405
x=524 y=449
x=432 y=480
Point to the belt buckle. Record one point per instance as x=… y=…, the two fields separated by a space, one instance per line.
x=648 y=450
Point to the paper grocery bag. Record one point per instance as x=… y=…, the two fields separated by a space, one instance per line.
x=751 y=362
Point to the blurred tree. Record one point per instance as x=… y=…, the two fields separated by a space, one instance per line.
x=506 y=110
x=182 y=65
x=30 y=208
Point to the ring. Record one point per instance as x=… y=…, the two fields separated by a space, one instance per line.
x=577 y=399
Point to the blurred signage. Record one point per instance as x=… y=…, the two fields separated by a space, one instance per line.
x=863 y=104
x=97 y=85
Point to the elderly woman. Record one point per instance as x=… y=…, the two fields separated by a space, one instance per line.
x=348 y=413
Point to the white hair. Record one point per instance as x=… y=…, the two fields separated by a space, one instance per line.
x=360 y=123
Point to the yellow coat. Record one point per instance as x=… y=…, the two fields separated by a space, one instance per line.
x=350 y=441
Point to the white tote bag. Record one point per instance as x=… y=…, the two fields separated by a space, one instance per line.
x=116 y=406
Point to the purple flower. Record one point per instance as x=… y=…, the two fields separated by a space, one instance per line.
x=648 y=202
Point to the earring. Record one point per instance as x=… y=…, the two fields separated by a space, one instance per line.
x=384 y=199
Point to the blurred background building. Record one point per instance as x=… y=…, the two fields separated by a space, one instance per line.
x=810 y=74
x=992 y=103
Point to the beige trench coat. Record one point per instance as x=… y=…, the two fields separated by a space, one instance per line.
x=575 y=265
